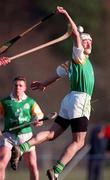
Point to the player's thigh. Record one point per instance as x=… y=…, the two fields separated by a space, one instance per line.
x=24 y=137
x=79 y=128
x=55 y=130
x=59 y=126
x=5 y=155
x=79 y=124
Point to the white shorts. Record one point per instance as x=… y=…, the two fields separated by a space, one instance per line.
x=9 y=139
x=75 y=105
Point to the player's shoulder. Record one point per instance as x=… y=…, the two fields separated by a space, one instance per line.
x=5 y=98
x=30 y=100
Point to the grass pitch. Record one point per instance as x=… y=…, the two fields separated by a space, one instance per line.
x=76 y=174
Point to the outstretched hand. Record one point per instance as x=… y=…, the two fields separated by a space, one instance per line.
x=37 y=85
x=4 y=61
x=60 y=10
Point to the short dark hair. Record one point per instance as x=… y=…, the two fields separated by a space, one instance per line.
x=19 y=78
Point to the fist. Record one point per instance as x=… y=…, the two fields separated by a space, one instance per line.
x=38 y=123
x=4 y=61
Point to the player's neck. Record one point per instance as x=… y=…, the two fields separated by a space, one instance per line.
x=18 y=97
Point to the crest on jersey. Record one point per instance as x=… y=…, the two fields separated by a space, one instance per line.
x=26 y=106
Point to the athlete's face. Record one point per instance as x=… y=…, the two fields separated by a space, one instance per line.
x=87 y=45
x=18 y=89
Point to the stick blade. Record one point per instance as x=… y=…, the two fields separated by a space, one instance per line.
x=4 y=47
x=52 y=115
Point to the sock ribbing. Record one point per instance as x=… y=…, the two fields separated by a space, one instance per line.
x=58 y=168
x=24 y=147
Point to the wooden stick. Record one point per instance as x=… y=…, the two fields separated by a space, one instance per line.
x=6 y=45
x=61 y=38
x=50 y=116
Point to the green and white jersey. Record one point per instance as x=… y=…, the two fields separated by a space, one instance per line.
x=81 y=77
x=79 y=71
x=18 y=112
x=81 y=74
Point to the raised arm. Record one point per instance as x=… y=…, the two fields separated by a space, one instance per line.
x=75 y=33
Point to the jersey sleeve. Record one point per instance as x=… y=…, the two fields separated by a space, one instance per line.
x=78 y=55
x=62 y=70
x=36 y=111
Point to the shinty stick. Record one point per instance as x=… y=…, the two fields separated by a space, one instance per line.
x=51 y=116
x=61 y=38
x=6 y=45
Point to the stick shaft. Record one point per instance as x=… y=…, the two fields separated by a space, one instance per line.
x=26 y=124
x=61 y=38
x=37 y=24
x=49 y=116
x=9 y=43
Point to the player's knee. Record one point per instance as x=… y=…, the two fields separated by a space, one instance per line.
x=51 y=136
x=80 y=143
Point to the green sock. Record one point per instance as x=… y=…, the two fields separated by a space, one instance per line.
x=24 y=147
x=58 y=168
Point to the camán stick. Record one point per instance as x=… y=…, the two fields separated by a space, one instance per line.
x=6 y=45
x=51 y=116
x=59 y=39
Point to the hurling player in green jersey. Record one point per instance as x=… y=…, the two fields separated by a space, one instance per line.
x=17 y=109
x=75 y=106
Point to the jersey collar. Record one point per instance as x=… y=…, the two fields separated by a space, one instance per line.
x=23 y=97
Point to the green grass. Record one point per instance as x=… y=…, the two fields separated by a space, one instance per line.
x=76 y=174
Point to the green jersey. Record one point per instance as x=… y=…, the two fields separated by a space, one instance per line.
x=17 y=113
x=81 y=77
